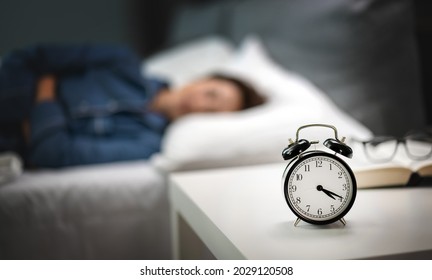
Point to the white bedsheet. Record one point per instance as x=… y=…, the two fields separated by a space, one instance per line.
x=103 y=211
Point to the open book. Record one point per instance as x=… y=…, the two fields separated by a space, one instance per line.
x=400 y=171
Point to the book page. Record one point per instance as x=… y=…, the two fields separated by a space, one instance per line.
x=423 y=168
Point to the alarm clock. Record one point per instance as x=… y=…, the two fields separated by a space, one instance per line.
x=319 y=187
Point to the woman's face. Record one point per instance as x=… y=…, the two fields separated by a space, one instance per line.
x=207 y=95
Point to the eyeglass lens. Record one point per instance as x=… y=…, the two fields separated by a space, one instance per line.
x=381 y=149
x=417 y=147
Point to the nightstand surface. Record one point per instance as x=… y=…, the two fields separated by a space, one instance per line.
x=240 y=213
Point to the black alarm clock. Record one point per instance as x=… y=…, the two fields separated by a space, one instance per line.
x=319 y=187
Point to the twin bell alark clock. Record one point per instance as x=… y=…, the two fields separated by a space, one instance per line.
x=319 y=187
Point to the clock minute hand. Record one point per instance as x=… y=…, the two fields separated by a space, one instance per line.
x=327 y=192
x=334 y=194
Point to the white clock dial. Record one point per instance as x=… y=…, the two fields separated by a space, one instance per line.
x=319 y=187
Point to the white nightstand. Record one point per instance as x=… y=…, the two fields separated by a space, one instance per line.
x=240 y=213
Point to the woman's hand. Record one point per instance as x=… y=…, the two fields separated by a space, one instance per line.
x=45 y=89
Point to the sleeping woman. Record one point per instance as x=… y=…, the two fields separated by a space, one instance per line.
x=73 y=105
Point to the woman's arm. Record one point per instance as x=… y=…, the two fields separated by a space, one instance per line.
x=52 y=144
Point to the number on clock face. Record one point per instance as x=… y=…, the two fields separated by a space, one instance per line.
x=319 y=188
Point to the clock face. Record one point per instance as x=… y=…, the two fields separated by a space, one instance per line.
x=319 y=187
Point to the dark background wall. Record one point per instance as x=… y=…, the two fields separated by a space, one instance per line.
x=423 y=29
x=27 y=22
x=141 y=24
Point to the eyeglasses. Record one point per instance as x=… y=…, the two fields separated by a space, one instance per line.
x=418 y=146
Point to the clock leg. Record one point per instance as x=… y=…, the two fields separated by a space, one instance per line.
x=296 y=222
x=343 y=221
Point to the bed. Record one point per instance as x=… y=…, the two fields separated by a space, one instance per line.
x=121 y=210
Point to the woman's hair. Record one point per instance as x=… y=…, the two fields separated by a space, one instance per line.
x=250 y=96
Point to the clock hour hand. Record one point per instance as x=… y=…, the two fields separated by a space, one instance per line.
x=327 y=192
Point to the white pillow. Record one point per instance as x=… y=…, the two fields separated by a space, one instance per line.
x=257 y=135
x=189 y=61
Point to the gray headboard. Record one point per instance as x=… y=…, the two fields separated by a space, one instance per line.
x=361 y=53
